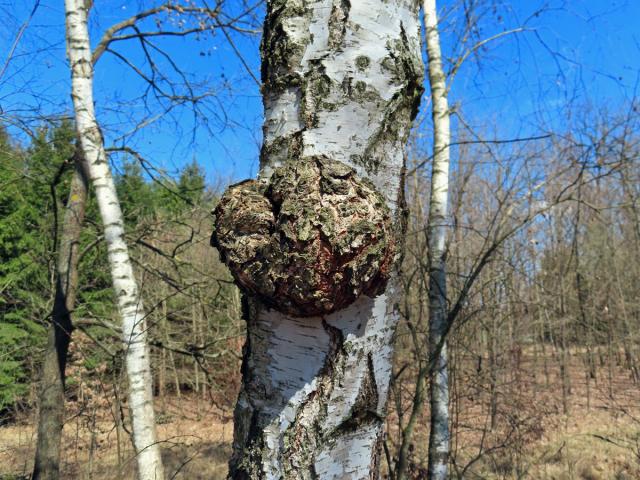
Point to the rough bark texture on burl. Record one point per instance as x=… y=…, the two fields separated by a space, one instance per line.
x=308 y=242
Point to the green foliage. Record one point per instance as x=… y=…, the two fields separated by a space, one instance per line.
x=158 y=213
x=137 y=197
x=26 y=251
x=13 y=383
x=29 y=178
x=191 y=184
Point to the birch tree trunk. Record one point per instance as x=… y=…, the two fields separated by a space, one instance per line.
x=341 y=80
x=436 y=228
x=52 y=395
x=129 y=303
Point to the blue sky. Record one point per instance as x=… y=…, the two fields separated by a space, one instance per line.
x=571 y=53
x=580 y=53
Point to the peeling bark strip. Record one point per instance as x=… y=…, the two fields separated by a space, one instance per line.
x=342 y=80
x=129 y=302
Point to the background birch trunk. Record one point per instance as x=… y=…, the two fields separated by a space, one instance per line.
x=439 y=436
x=129 y=303
x=52 y=393
x=342 y=80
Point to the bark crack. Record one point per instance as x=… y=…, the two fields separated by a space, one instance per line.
x=306 y=433
x=338 y=23
x=364 y=409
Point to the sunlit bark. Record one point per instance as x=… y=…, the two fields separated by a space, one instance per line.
x=439 y=436
x=341 y=80
x=129 y=303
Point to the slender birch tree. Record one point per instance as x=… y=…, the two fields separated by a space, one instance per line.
x=436 y=233
x=51 y=395
x=341 y=80
x=128 y=299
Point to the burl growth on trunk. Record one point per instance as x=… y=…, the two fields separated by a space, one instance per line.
x=310 y=240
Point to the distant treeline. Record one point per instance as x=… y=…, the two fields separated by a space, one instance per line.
x=191 y=301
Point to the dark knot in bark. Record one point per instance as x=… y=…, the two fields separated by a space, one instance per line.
x=308 y=242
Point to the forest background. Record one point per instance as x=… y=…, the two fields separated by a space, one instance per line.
x=544 y=94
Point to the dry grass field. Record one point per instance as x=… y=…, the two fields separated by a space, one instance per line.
x=196 y=444
x=531 y=437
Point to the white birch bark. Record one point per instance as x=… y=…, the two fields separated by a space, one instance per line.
x=128 y=299
x=436 y=227
x=341 y=79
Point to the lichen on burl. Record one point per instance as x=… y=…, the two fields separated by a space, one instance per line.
x=310 y=240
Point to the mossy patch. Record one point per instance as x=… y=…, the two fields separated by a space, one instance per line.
x=362 y=62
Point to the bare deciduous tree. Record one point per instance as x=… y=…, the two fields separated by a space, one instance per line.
x=342 y=80
x=52 y=395
x=436 y=233
x=129 y=302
